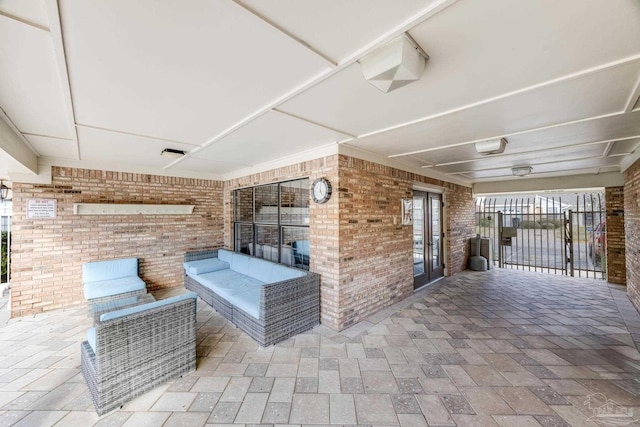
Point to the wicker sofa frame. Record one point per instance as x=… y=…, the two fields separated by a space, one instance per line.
x=287 y=308
x=138 y=352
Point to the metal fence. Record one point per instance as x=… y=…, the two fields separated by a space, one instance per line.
x=5 y=248
x=546 y=234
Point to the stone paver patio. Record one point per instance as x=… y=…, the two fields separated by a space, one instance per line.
x=499 y=348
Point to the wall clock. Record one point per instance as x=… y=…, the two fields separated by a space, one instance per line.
x=321 y=190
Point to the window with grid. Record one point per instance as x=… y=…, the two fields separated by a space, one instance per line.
x=272 y=222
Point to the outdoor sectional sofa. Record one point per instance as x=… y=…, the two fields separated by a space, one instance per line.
x=268 y=301
x=133 y=350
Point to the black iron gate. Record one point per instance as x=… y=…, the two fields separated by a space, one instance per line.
x=545 y=234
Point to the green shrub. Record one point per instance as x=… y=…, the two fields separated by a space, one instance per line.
x=486 y=221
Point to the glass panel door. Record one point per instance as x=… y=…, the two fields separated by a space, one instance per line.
x=435 y=241
x=427 y=238
x=418 y=235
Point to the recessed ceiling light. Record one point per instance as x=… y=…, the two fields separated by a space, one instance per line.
x=492 y=146
x=521 y=171
x=171 y=153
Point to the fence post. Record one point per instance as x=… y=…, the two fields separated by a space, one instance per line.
x=570 y=238
x=500 y=223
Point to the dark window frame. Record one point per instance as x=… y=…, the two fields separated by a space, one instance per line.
x=255 y=224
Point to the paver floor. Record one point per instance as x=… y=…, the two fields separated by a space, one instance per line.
x=497 y=348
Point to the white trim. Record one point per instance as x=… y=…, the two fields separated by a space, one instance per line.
x=610 y=179
x=45 y=164
x=427 y=188
x=130 y=209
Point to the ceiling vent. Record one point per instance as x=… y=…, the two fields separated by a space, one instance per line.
x=492 y=146
x=172 y=153
x=521 y=171
x=395 y=64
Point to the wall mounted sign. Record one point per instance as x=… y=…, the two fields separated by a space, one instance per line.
x=41 y=208
x=407 y=211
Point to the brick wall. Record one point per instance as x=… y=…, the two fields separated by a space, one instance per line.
x=376 y=252
x=357 y=244
x=47 y=254
x=356 y=241
x=616 y=269
x=632 y=231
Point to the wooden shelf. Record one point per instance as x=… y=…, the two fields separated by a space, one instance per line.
x=130 y=209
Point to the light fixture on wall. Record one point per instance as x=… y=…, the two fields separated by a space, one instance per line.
x=492 y=146
x=395 y=64
x=172 y=153
x=4 y=191
x=521 y=170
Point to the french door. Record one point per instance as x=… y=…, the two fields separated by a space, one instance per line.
x=428 y=264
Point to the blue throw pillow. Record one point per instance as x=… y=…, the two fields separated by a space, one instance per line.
x=202 y=266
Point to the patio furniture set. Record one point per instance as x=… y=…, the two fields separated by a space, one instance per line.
x=138 y=343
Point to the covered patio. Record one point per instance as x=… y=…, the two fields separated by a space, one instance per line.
x=497 y=348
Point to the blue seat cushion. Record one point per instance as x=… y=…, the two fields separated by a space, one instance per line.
x=260 y=269
x=226 y=283
x=110 y=287
x=111 y=269
x=202 y=266
x=225 y=255
x=137 y=309
x=91 y=338
x=281 y=272
x=248 y=301
x=240 y=263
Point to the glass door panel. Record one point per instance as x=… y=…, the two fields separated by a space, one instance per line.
x=427 y=238
x=435 y=243
x=418 y=236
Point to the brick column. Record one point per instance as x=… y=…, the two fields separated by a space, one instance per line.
x=614 y=202
x=632 y=231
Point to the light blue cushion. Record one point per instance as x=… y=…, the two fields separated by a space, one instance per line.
x=280 y=273
x=202 y=266
x=240 y=263
x=112 y=269
x=226 y=283
x=260 y=269
x=137 y=309
x=110 y=287
x=248 y=301
x=225 y=255
x=91 y=338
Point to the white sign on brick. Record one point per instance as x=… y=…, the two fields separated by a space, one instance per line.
x=41 y=208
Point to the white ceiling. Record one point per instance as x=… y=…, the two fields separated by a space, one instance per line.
x=243 y=85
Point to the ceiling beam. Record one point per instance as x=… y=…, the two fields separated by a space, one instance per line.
x=293 y=37
x=55 y=25
x=13 y=146
x=24 y=21
x=633 y=98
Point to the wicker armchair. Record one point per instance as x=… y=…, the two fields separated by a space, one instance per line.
x=139 y=348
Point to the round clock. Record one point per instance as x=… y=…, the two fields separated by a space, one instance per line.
x=320 y=190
